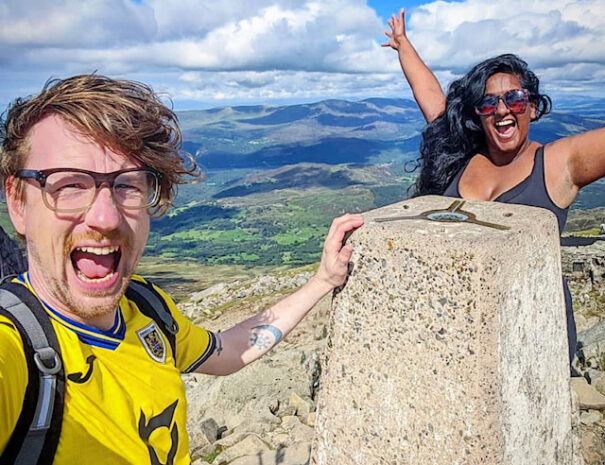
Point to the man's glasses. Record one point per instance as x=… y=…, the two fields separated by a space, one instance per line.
x=71 y=190
x=515 y=100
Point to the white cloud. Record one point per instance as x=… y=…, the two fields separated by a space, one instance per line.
x=544 y=32
x=227 y=50
x=204 y=35
x=259 y=86
x=68 y=23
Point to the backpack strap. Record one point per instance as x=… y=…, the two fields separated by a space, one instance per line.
x=36 y=435
x=153 y=305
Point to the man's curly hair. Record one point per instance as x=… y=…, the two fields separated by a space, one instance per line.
x=125 y=116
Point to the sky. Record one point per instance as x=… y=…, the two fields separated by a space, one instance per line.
x=207 y=53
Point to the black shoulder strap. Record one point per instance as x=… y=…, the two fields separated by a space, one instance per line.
x=151 y=304
x=36 y=435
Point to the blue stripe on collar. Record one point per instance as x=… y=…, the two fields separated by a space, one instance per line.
x=90 y=335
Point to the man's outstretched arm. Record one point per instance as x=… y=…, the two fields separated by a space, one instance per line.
x=252 y=338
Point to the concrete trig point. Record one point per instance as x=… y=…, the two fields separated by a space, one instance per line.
x=448 y=345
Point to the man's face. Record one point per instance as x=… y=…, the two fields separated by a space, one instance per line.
x=79 y=263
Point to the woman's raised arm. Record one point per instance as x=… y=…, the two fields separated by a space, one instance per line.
x=426 y=88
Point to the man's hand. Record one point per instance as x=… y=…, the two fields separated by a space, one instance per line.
x=335 y=258
x=397 y=33
x=250 y=339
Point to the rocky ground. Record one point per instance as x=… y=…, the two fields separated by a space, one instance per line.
x=264 y=414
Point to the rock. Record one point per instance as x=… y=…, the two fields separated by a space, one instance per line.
x=593 y=448
x=203 y=436
x=274 y=406
x=302 y=406
x=286 y=411
x=212 y=290
x=588 y=396
x=297 y=454
x=244 y=401
x=12 y=260
x=203 y=452
x=598 y=382
x=292 y=366
x=251 y=445
x=279 y=438
x=289 y=422
x=231 y=439
x=576 y=431
x=591 y=346
x=321 y=332
x=268 y=423
x=198 y=440
x=590 y=416
x=210 y=429
x=310 y=362
x=301 y=433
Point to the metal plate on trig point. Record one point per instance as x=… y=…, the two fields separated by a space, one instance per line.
x=447 y=217
x=453 y=214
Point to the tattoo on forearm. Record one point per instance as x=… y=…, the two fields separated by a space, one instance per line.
x=219 y=343
x=265 y=337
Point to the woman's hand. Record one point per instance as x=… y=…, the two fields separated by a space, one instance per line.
x=397 y=33
x=425 y=86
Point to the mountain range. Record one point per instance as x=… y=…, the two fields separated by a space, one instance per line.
x=277 y=175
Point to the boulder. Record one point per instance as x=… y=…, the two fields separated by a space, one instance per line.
x=12 y=260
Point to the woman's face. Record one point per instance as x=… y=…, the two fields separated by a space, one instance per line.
x=505 y=131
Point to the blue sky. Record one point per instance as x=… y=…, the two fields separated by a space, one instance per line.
x=384 y=8
x=206 y=53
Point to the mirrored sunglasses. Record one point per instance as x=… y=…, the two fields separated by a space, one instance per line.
x=516 y=100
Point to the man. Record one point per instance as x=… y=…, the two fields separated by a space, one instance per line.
x=85 y=165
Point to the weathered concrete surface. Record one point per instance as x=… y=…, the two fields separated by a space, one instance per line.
x=448 y=343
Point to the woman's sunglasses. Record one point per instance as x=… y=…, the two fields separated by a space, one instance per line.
x=515 y=100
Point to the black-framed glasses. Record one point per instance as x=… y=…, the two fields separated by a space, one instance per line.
x=71 y=190
x=516 y=100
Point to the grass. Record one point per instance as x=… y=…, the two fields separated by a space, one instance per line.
x=277 y=228
x=210 y=457
x=584 y=221
x=180 y=276
x=588 y=232
x=220 y=237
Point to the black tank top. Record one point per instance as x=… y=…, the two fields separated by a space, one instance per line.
x=531 y=191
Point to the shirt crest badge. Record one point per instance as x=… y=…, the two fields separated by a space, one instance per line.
x=153 y=341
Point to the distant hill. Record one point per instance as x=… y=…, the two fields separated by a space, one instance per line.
x=277 y=175
x=331 y=132
x=334 y=132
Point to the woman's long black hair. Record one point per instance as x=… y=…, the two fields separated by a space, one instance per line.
x=455 y=136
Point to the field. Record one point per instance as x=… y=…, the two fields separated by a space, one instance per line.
x=264 y=227
x=277 y=176
x=181 y=277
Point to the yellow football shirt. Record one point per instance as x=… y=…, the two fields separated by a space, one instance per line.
x=124 y=399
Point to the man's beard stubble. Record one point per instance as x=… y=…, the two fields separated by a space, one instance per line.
x=60 y=290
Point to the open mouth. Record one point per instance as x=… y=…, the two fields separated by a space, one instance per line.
x=506 y=126
x=95 y=264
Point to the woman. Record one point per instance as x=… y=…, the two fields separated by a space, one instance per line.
x=476 y=143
